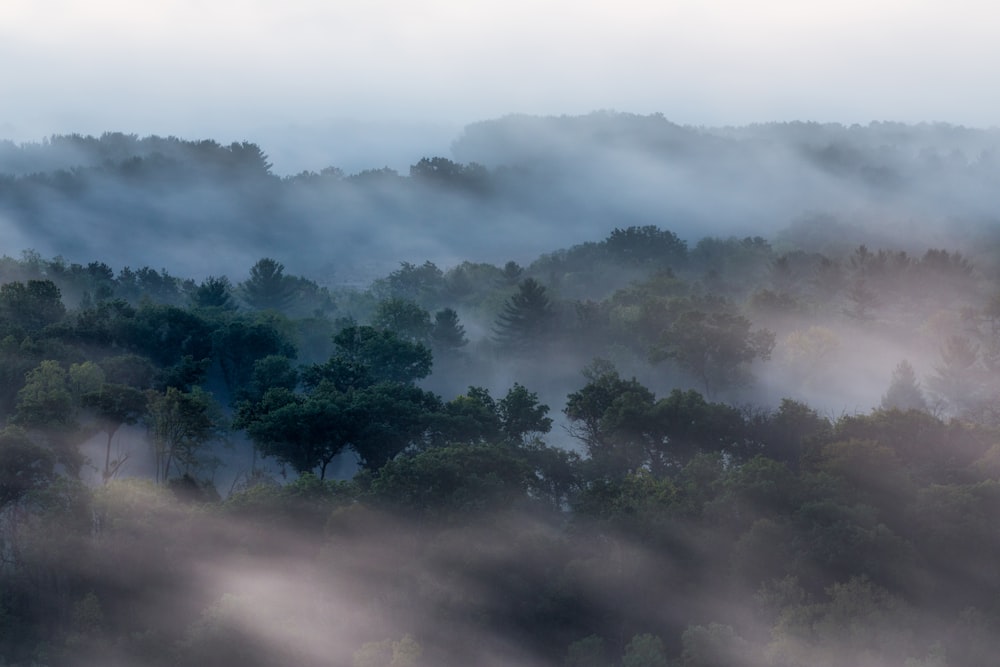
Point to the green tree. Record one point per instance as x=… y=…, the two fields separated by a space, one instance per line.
x=268 y=288
x=306 y=431
x=24 y=466
x=31 y=306
x=526 y=320
x=45 y=401
x=470 y=418
x=447 y=333
x=715 y=347
x=443 y=481
x=180 y=423
x=391 y=417
x=608 y=416
x=240 y=343
x=114 y=405
x=378 y=355
x=363 y=398
x=521 y=415
x=404 y=318
x=214 y=293
x=645 y=245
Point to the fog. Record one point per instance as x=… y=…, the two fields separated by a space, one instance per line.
x=824 y=530
x=544 y=183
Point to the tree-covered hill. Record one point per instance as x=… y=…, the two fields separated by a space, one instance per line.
x=512 y=188
x=635 y=450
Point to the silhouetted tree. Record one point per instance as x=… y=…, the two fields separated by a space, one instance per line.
x=526 y=320
x=214 y=293
x=447 y=333
x=268 y=288
x=904 y=391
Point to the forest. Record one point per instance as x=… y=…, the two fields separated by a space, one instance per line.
x=621 y=443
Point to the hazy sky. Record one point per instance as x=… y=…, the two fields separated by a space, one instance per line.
x=241 y=69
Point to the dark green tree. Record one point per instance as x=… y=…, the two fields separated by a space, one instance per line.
x=215 y=294
x=268 y=288
x=609 y=415
x=306 y=431
x=715 y=347
x=240 y=343
x=180 y=424
x=31 y=306
x=447 y=334
x=472 y=417
x=366 y=355
x=404 y=318
x=24 y=466
x=527 y=319
x=522 y=416
x=646 y=245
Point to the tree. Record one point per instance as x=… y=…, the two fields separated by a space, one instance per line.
x=609 y=415
x=268 y=288
x=470 y=418
x=522 y=415
x=24 y=466
x=214 y=293
x=526 y=320
x=715 y=347
x=45 y=401
x=373 y=355
x=306 y=431
x=32 y=305
x=644 y=245
x=240 y=343
x=180 y=423
x=115 y=405
x=363 y=398
x=167 y=334
x=447 y=333
x=391 y=417
x=792 y=432
x=625 y=427
x=457 y=478
x=404 y=318
x=904 y=391
x=958 y=379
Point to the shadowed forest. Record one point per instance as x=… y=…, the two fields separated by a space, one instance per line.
x=604 y=391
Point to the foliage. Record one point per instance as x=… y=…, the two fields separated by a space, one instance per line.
x=526 y=320
x=715 y=347
x=180 y=424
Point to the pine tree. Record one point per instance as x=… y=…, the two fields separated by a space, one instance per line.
x=904 y=391
x=526 y=319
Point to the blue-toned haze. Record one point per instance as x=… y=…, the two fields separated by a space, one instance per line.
x=383 y=82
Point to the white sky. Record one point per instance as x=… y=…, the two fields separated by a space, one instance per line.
x=223 y=68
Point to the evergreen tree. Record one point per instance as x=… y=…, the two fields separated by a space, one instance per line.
x=904 y=391
x=526 y=319
x=447 y=333
x=268 y=288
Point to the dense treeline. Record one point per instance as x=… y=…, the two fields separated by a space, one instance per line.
x=700 y=511
x=170 y=202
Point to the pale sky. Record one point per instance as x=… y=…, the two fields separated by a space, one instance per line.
x=228 y=68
